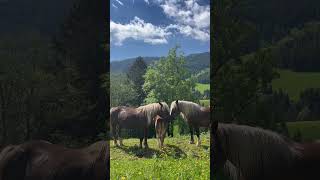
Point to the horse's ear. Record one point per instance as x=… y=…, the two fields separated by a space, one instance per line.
x=160 y=104
x=176 y=101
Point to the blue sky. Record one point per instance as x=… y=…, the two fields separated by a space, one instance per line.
x=152 y=27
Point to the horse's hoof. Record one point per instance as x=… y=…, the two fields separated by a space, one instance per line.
x=191 y=142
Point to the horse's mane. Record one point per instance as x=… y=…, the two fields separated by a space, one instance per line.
x=188 y=108
x=256 y=151
x=153 y=109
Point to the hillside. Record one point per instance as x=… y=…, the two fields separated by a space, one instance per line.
x=178 y=160
x=310 y=130
x=194 y=62
x=295 y=82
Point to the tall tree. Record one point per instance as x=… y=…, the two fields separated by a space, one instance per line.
x=135 y=74
x=169 y=80
x=80 y=47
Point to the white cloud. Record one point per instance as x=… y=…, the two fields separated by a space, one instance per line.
x=120 y=2
x=114 y=6
x=192 y=19
x=137 y=29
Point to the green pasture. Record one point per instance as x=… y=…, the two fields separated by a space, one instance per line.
x=310 y=130
x=202 y=87
x=177 y=160
x=295 y=82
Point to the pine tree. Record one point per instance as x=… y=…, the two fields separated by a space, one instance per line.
x=135 y=74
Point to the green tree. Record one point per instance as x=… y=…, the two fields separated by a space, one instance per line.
x=122 y=91
x=168 y=80
x=135 y=74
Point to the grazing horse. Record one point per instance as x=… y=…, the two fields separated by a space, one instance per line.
x=161 y=125
x=136 y=118
x=250 y=153
x=195 y=115
x=41 y=160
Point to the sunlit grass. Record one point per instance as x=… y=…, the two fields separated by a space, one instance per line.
x=177 y=160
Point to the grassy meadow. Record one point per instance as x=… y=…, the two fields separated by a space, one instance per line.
x=310 y=130
x=177 y=160
x=202 y=87
x=295 y=82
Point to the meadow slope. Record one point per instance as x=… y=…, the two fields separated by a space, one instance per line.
x=295 y=82
x=178 y=160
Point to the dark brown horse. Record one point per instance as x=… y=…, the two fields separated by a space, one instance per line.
x=135 y=118
x=41 y=160
x=195 y=116
x=250 y=153
x=161 y=125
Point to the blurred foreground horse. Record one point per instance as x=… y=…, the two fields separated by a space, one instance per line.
x=195 y=116
x=136 y=118
x=41 y=160
x=250 y=153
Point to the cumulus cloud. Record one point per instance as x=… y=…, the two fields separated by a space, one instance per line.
x=120 y=2
x=138 y=29
x=191 y=19
x=114 y=6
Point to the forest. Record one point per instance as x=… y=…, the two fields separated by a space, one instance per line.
x=265 y=65
x=51 y=74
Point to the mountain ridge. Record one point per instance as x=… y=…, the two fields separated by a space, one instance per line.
x=194 y=62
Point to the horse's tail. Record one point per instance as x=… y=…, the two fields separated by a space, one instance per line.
x=114 y=118
x=13 y=160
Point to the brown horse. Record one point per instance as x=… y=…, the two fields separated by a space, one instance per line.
x=195 y=115
x=161 y=125
x=135 y=118
x=250 y=153
x=41 y=160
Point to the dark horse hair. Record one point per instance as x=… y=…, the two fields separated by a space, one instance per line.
x=251 y=153
x=40 y=160
x=135 y=118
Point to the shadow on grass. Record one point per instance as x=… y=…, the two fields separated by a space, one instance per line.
x=167 y=151
x=206 y=147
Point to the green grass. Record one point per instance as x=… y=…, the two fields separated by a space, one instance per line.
x=177 y=160
x=205 y=102
x=310 y=130
x=202 y=87
x=295 y=82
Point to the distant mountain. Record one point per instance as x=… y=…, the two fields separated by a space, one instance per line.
x=194 y=62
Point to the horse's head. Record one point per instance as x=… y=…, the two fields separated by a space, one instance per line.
x=164 y=109
x=161 y=125
x=218 y=155
x=174 y=108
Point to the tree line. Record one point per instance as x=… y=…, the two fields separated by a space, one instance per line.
x=50 y=84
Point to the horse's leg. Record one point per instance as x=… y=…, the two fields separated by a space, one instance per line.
x=141 y=139
x=145 y=137
x=114 y=134
x=119 y=137
x=191 y=133
x=198 y=135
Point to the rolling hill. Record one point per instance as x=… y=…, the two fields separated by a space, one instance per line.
x=295 y=82
x=194 y=62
